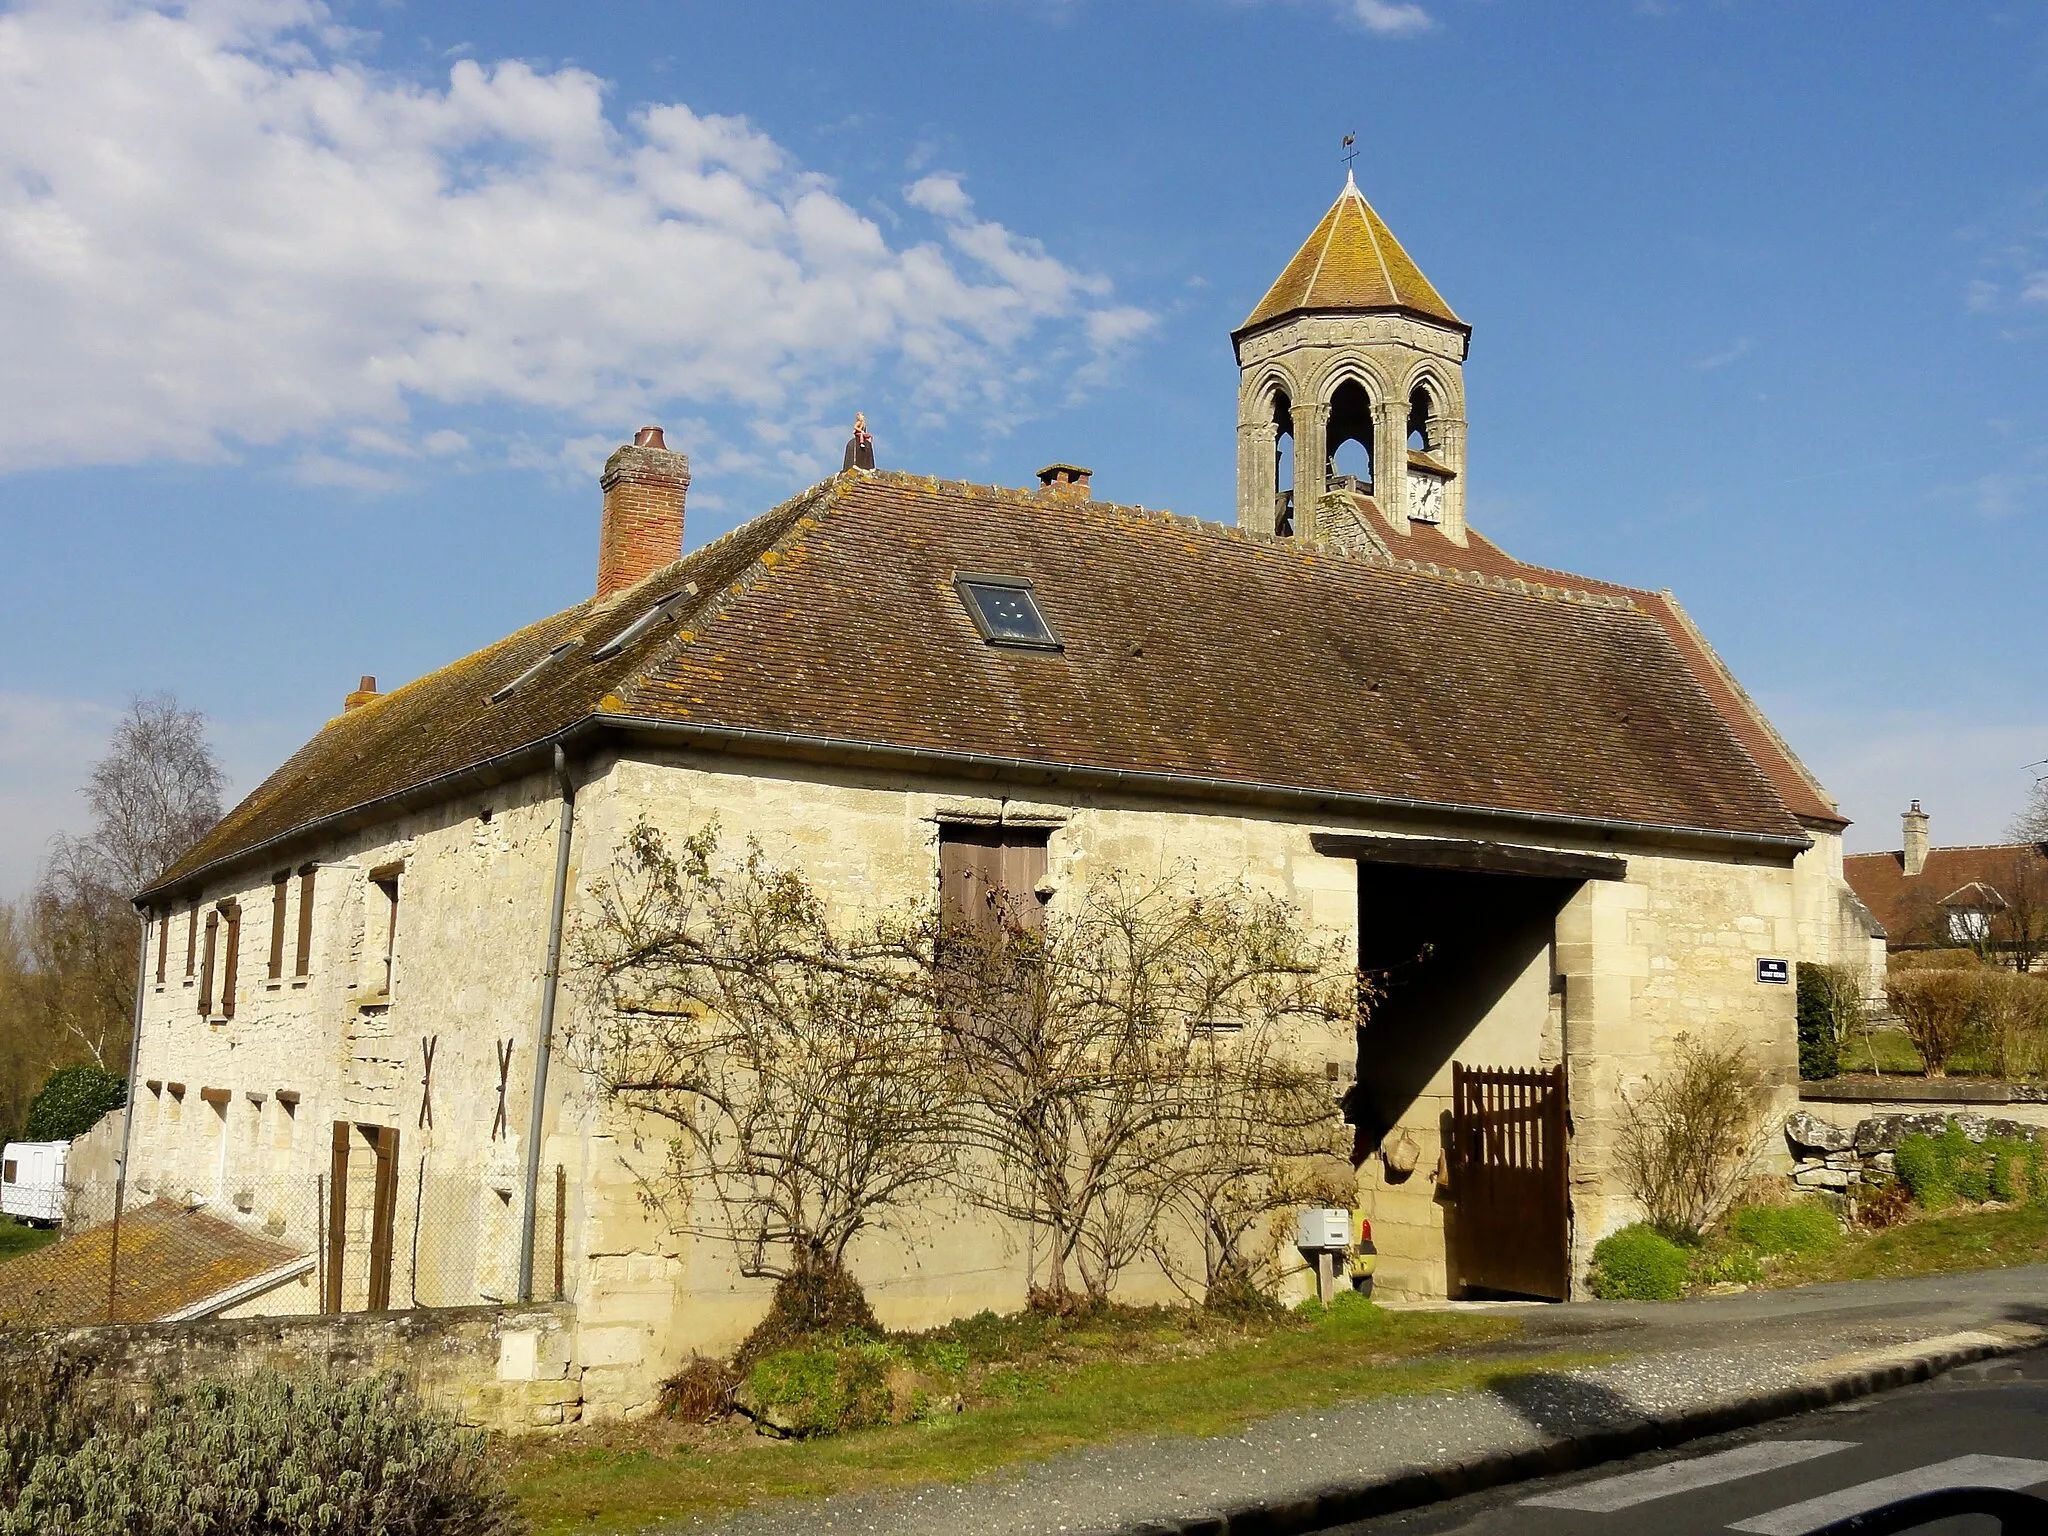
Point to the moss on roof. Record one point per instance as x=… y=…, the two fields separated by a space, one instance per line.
x=1351 y=262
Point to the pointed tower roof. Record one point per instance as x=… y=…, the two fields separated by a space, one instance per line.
x=1351 y=262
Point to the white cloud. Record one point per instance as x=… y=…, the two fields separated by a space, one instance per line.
x=1735 y=351
x=219 y=226
x=1389 y=18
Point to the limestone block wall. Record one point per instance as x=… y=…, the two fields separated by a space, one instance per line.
x=236 y=1113
x=1834 y=929
x=1669 y=952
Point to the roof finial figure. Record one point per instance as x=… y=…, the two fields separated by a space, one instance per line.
x=1350 y=154
x=860 y=448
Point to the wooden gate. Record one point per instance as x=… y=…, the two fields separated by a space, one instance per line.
x=1509 y=1135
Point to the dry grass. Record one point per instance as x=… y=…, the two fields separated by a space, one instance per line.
x=1037 y=1386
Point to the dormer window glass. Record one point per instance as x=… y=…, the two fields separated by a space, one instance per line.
x=1005 y=610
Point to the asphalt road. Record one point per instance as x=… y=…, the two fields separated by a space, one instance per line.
x=1980 y=1424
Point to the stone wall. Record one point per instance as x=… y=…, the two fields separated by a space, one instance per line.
x=507 y=1369
x=1836 y=1153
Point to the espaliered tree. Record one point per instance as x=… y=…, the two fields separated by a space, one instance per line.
x=1121 y=1070
x=1127 y=1062
x=798 y=1063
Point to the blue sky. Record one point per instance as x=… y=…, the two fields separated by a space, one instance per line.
x=321 y=318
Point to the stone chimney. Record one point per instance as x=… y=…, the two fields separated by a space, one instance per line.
x=365 y=691
x=644 y=484
x=1913 y=826
x=1068 y=480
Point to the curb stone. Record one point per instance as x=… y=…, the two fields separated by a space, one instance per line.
x=1833 y=1381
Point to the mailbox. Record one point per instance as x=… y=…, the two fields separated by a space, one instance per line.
x=1323 y=1229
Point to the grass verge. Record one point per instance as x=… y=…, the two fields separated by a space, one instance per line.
x=17 y=1238
x=1927 y=1245
x=1150 y=1374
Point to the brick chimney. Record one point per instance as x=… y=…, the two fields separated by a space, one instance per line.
x=644 y=484
x=1913 y=826
x=365 y=691
x=1068 y=480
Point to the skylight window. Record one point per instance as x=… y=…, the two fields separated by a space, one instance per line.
x=1006 y=611
x=640 y=626
x=531 y=673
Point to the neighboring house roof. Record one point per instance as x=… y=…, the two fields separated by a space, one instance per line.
x=1352 y=262
x=1192 y=652
x=1977 y=878
x=1802 y=793
x=172 y=1259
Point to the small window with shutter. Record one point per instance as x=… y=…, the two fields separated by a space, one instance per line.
x=232 y=913
x=163 y=945
x=989 y=876
x=206 y=963
x=280 y=890
x=305 y=958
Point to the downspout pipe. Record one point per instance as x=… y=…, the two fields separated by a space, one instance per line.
x=128 y=1114
x=550 y=984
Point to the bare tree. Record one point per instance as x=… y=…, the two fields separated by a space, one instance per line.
x=153 y=794
x=1096 y=1073
x=2031 y=826
x=798 y=1062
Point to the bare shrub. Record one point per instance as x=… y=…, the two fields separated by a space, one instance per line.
x=2010 y=1011
x=1690 y=1137
x=1934 y=1007
x=701 y=1392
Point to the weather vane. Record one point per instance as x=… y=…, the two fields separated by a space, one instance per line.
x=1350 y=151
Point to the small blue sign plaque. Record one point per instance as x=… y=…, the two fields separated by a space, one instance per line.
x=1776 y=973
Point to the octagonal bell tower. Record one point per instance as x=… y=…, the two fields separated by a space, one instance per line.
x=1352 y=344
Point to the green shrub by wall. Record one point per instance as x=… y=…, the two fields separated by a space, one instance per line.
x=1942 y=1170
x=1638 y=1263
x=264 y=1457
x=823 y=1390
x=1819 y=1030
x=71 y=1101
x=1785 y=1229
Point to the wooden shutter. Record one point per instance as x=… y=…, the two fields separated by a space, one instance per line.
x=383 y=1215
x=191 y=937
x=280 y=886
x=305 y=960
x=985 y=872
x=206 y=969
x=163 y=945
x=337 y=1214
x=234 y=942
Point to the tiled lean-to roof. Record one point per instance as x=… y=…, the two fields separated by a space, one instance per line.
x=1351 y=262
x=1189 y=650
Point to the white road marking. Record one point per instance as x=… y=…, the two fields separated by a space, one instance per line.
x=1960 y=1472
x=1631 y=1488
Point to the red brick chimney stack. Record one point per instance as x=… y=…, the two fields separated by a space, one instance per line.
x=644 y=484
x=1070 y=481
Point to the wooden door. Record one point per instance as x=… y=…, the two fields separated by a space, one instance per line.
x=1509 y=1143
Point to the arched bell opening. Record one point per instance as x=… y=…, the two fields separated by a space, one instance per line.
x=1350 y=438
x=1422 y=418
x=1283 y=464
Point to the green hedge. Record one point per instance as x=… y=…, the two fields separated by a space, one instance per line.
x=1819 y=1031
x=71 y=1101
x=1638 y=1263
x=1942 y=1170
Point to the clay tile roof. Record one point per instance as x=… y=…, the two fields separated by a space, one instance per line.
x=1190 y=650
x=1986 y=875
x=1802 y=793
x=1351 y=262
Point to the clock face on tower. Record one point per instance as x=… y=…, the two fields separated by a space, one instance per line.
x=1425 y=497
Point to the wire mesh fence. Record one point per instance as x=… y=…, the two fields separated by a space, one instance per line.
x=369 y=1234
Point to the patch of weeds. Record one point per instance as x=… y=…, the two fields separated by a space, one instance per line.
x=1638 y=1263
x=1775 y=1230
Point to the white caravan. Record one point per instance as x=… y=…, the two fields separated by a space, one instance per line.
x=32 y=1181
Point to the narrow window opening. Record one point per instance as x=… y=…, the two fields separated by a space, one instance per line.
x=382 y=932
x=1421 y=415
x=1283 y=464
x=191 y=940
x=305 y=956
x=233 y=914
x=206 y=968
x=280 y=896
x=163 y=945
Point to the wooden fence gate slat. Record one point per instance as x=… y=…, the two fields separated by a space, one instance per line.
x=1509 y=1150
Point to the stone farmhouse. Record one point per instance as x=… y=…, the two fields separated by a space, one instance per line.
x=1980 y=894
x=1350 y=697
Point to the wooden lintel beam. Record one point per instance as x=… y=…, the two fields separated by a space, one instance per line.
x=1475 y=857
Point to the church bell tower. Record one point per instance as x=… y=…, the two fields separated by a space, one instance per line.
x=1351 y=345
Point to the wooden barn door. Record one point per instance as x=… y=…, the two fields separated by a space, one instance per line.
x=1509 y=1139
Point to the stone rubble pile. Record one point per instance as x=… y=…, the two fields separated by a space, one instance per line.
x=1827 y=1157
